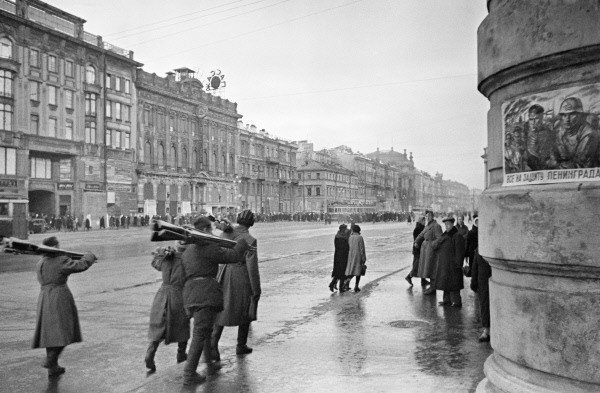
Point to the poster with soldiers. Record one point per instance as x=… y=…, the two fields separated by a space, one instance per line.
x=552 y=137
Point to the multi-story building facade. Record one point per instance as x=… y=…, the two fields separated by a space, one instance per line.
x=54 y=120
x=186 y=147
x=401 y=169
x=267 y=171
x=325 y=185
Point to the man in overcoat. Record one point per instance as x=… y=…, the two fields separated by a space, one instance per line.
x=450 y=252
x=168 y=320
x=427 y=257
x=240 y=283
x=202 y=295
x=57 y=321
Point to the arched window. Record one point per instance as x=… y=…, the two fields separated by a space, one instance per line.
x=161 y=154
x=224 y=163
x=148 y=153
x=90 y=75
x=184 y=158
x=213 y=163
x=195 y=165
x=231 y=164
x=173 y=157
x=205 y=159
x=6 y=48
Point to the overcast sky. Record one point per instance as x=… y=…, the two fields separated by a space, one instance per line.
x=363 y=73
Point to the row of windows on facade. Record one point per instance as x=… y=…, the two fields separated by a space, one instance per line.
x=113 y=82
x=40 y=168
x=267 y=152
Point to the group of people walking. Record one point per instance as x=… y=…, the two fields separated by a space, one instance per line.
x=213 y=285
x=439 y=254
x=349 y=258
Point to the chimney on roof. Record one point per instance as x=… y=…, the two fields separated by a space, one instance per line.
x=170 y=77
x=411 y=156
x=405 y=153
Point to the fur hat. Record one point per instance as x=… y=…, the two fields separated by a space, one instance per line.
x=451 y=219
x=246 y=218
x=202 y=223
x=51 y=241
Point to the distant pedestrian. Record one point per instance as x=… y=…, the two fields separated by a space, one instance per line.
x=416 y=251
x=340 y=258
x=102 y=225
x=450 y=252
x=427 y=257
x=240 y=283
x=357 y=257
x=57 y=321
x=480 y=285
x=168 y=320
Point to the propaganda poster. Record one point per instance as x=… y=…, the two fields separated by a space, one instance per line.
x=552 y=137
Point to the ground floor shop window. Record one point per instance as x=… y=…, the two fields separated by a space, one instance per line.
x=41 y=168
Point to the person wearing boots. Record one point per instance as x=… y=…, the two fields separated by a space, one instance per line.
x=168 y=320
x=57 y=321
x=416 y=254
x=340 y=258
x=480 y=284
x=427 y=257
x=202 y=296
x=241 y=288
x=357 y=257
x=450 y=252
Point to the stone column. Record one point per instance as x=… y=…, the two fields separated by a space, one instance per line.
x=539 y=216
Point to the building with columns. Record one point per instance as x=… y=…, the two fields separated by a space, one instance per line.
x=267 y=171
x=187 y=142
x=67 y=114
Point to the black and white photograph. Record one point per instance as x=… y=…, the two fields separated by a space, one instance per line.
x=299 y=196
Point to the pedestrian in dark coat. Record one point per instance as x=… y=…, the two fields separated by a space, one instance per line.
x=241 y=288
x=472 y=242
x=427 y=258
x=102 y=226
x=450 y=252
x=480 y=284
x=57 y=321
x=416 y=251
x=340 y=258
x=202 y=295
x=168 y=320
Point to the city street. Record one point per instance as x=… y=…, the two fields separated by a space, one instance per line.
x=387 y=338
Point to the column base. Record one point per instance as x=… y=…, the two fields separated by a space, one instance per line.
x=505 y=376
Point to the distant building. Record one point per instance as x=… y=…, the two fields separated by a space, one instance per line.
x=267 y=171
x=67 y=114
x=186 y=147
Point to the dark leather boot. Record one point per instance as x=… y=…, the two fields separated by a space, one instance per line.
x=181 y=355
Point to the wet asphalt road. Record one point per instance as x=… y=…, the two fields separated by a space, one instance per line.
x=387 y=338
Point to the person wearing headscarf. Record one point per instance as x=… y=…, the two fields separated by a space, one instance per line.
x=168 y=320
x=340 y=258
x=202 y=295
x=357 y=256
x=450 y=252
x=57 y=322
x=416 y=253
x=240 y=283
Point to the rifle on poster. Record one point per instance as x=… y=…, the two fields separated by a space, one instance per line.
x=14 y=245
x=163 y=231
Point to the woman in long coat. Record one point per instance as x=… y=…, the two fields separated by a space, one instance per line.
x=450 y=251
x=340 y=258
x=427 y=258
x=357 y=256
x=416 y=253
x=240 y=283
x=168 y=320
x=57 y=321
